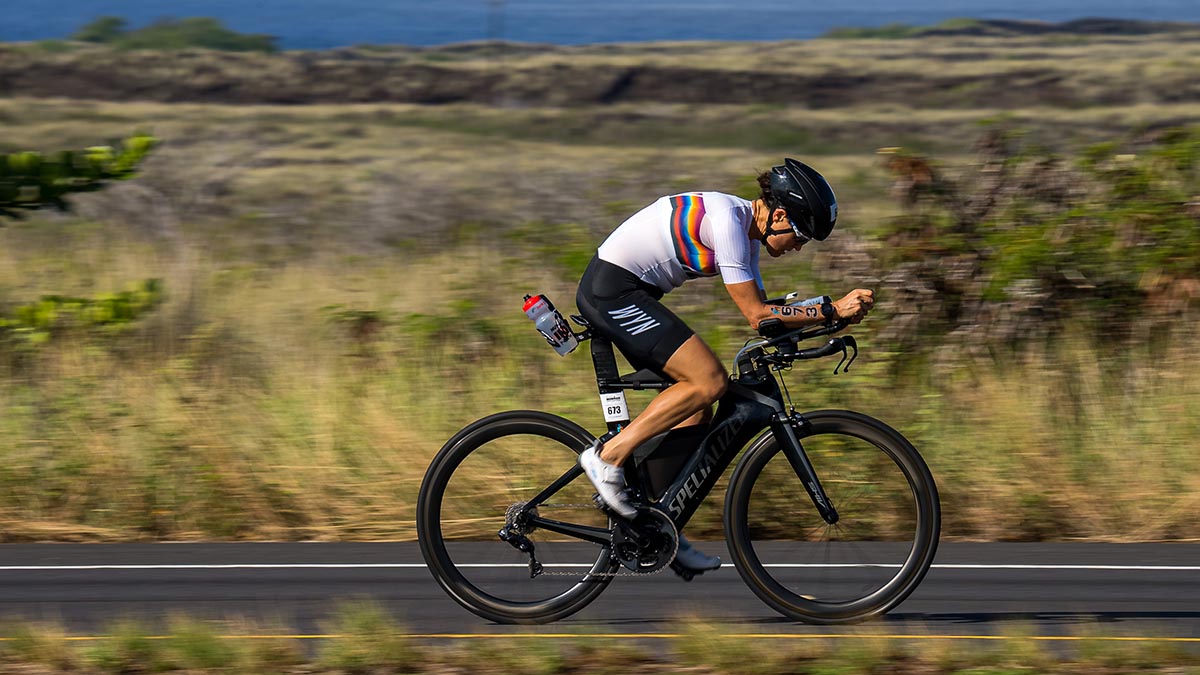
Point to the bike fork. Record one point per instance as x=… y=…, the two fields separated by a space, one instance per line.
x=783 y=426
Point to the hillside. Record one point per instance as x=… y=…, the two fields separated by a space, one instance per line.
x=945 y=71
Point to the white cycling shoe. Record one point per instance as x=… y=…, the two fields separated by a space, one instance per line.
x=608 y=480
x=694 y=559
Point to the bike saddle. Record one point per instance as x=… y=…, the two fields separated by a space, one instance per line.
x=646 y=376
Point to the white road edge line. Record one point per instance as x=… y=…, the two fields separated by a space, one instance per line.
x=280 y=566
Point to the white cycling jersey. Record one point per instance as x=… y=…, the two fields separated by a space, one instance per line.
x=681 y=237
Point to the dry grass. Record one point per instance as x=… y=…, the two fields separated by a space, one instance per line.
x=1075 y=454
x=369 y=640
x=251 y=407
x=246 y=410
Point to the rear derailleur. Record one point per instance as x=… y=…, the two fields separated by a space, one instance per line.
x=514 y=531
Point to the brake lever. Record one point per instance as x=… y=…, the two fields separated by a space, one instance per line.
x=847 y=342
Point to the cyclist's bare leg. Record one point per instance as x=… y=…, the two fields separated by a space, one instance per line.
x=699 y=378
x=703 y=417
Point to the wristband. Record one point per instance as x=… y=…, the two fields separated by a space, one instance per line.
x=828 y=311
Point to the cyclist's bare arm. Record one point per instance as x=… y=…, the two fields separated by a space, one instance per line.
x=749 y=299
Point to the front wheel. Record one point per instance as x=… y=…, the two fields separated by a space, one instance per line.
x=866 y=563
x=482 y=481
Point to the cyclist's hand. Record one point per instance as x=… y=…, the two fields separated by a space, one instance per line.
x=855 y=305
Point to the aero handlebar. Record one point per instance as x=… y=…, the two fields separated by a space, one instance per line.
x=784 y=342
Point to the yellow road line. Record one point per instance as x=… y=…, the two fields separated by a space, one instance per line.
x=673 y=636
x=798 y=636
x=91 y=638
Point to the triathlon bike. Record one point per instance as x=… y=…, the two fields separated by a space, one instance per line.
x=831 y=516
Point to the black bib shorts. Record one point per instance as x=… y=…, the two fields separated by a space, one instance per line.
x=627 y=311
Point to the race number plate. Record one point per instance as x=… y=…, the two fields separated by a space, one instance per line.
x=614 y=406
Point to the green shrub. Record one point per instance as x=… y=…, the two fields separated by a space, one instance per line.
x=195 y=645
x=268 y=657
x=172 y=34
x=202 y=32
x=55 y=46
x=103 y=29
x=29 y=180
x=369 y=640
x=710 y=647
x=526 y=657
x=128 y=648
x=41 y=644
x=34 y=323
x=891 y=31
x=1090 y=239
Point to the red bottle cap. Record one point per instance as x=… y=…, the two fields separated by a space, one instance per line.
x=530 y=301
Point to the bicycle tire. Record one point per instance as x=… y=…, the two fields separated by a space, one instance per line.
x=768 y=566
x=560 y=441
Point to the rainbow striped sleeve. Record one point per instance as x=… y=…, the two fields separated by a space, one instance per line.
x=686 y=213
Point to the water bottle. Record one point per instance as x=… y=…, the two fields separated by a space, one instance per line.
x=550 y=324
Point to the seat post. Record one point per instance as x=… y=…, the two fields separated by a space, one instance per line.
x=604 y=361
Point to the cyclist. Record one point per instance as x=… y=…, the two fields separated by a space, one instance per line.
x=681 y=237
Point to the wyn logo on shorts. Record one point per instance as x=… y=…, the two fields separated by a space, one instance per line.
x=634 y=319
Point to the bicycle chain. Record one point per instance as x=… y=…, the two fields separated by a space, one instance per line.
x=622 y=570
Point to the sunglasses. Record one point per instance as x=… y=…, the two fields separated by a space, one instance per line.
x=804 y=239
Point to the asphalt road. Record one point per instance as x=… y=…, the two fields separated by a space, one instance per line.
x=973 y=589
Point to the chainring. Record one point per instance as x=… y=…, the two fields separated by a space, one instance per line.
x=648 y=543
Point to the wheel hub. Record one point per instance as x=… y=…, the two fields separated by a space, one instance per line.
x=516 y=518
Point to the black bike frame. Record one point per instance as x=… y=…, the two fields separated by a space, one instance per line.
x=751 y=403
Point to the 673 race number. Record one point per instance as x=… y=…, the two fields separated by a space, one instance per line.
x=614 y=407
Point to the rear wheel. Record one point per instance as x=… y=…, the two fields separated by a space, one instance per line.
x=481 y=482
x=863 y=565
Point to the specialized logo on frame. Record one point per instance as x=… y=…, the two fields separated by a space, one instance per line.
x=634 y=319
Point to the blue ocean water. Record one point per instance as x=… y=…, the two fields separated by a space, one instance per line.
x=319 y=24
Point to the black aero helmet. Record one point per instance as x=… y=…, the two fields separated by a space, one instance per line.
x=805 y=195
